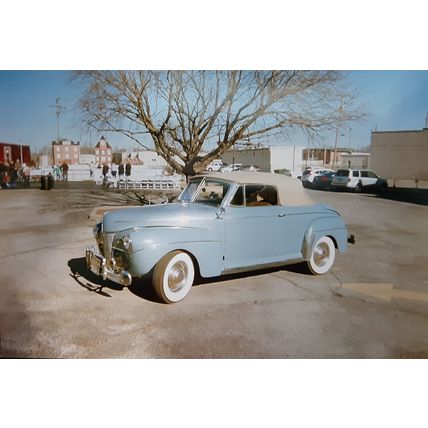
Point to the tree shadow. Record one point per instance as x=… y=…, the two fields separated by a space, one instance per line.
x=86 y=279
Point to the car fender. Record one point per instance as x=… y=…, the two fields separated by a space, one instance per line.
x=332 y=226
x=152 y=243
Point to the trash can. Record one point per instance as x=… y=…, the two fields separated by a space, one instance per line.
x=44 y=183
x=51 y=181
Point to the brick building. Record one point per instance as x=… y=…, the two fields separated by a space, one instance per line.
x=103 y=152
x=65 y=151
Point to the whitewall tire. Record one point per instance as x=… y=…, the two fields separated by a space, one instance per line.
x=173 y=276
x=322 y=256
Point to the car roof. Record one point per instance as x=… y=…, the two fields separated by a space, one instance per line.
x=290 y=190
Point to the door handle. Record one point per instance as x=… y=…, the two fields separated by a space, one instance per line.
x=281 y=215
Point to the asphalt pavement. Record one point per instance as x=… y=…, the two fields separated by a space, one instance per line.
x=372 y=304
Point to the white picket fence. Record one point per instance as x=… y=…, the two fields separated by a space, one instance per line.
x=166 y=183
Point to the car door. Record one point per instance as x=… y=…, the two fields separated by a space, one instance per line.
x=254 y=231
x=368 y=179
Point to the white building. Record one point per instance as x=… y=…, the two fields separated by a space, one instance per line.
x=268 y=159
x=86 y=159
x=148 y=158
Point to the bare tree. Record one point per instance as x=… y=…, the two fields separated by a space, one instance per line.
x=188 y=112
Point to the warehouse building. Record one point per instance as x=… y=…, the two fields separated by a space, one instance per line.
x=400 y=156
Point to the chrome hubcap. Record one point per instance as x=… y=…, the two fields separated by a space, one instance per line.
x=177 y=276
x=321 y=254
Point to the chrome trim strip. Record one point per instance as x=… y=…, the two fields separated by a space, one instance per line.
x=262 y=266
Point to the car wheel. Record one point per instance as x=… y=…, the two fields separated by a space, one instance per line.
x=173 y=276
x=322 y=256
x=209 y=169
x=358 y=188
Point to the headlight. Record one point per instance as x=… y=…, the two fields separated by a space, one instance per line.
x=127 y=242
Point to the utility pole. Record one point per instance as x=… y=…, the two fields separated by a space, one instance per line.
x=337 y=131
x=59 y=110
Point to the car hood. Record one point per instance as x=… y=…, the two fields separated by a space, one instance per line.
x=167 y=215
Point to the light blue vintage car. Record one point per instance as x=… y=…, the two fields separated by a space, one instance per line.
x=222 y=223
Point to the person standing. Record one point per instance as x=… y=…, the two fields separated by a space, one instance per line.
x=91 y=170
x=128 y=169
x=64 y=169
x=121 y=170
x=57 y=172
x=27 y=173
x=105 y=170
x=113 y=170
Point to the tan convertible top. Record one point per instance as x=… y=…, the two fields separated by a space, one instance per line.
x=290 y=190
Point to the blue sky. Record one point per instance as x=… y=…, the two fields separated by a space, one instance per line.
x=393 y=100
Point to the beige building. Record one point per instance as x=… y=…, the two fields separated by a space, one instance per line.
x=268 y=159
x=400 y=155
x=65 y=151
x=103 y=152
x=354 y=160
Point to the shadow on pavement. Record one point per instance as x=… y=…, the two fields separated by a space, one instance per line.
x=412 y=196
x=296 y=268
x=142 y=287
x=81 y=274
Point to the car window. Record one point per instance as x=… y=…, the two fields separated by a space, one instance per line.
x=260 y=195
x=205 y=191
x=238 y=199
x=190 y=190
x=364 y=174
x=342 y=173
x=355 y=173
x=371 y=174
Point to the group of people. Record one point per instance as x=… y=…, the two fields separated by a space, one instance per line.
x=115 y=169
x=13 y=173
x=60 y=172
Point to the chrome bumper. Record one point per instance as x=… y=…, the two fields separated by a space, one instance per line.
x=97 y=264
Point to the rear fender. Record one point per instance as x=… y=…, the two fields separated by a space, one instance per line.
x=334 y=227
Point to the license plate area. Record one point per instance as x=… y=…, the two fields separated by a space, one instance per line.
x=97 y=264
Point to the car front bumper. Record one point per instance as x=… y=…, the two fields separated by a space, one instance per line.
x=97 y=264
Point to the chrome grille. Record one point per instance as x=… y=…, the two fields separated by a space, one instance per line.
x=105 y=244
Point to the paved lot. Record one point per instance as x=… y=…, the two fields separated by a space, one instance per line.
x=374 y=302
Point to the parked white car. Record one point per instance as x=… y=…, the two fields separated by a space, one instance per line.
x=232 y=167
x=215 y=165
x=358 y=180
x=310 y=173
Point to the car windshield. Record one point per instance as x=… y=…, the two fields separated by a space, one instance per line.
x=207 y=191
x=342 y=173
